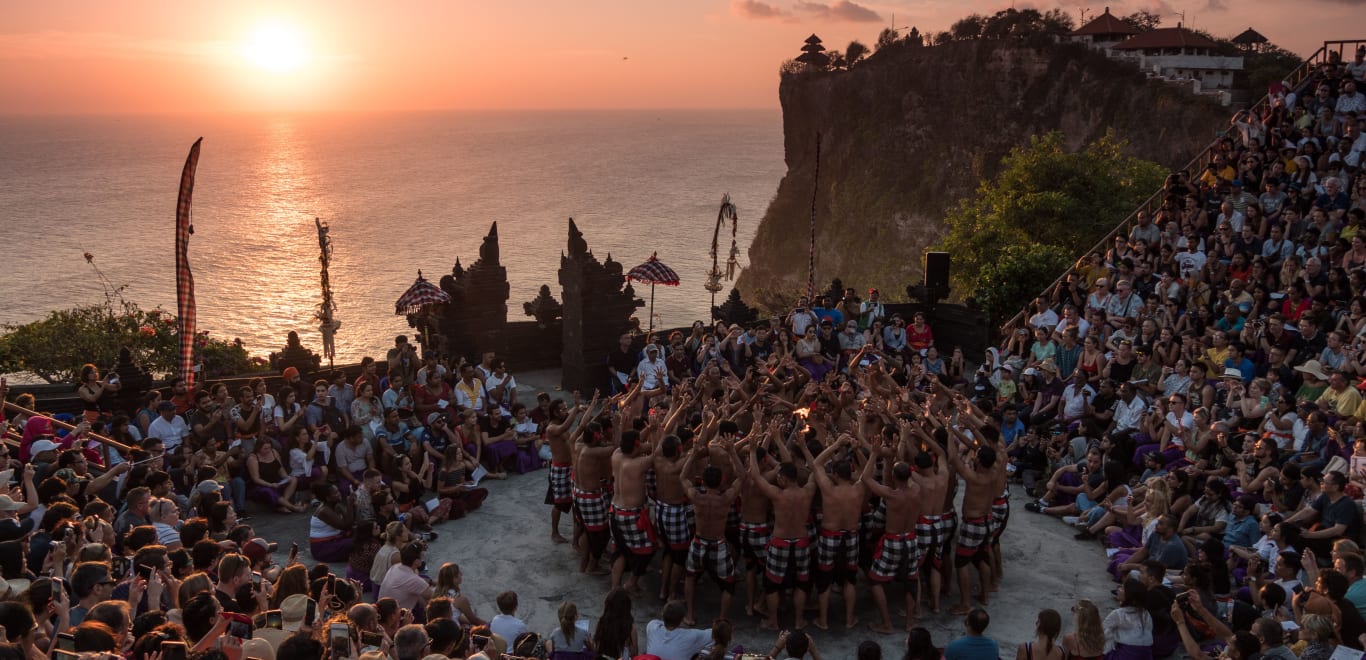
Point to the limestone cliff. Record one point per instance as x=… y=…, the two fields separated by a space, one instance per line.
x=910 y=131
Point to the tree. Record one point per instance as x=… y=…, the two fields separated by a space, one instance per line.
x=1016 y=275
x=813 y=54
x=914 y=38
x=968 y=27
x=1144 y=20
x=837 y=60
x=1046 y=196
x=854 y=53
x=941 y=38
x=56 y=347
x=886 y=38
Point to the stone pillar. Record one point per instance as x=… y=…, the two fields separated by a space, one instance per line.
x=476 y=318
x=597 y=308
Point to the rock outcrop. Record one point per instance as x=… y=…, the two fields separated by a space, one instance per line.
x=910 y=131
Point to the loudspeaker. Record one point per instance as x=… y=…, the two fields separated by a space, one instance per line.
x=937 y=273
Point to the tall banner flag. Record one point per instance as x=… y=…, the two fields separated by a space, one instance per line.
x=184 y=280
x=811 y=246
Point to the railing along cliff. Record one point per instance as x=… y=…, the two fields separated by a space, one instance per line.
x=1341 y=50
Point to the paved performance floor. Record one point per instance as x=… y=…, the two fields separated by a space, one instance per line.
x=506 y=546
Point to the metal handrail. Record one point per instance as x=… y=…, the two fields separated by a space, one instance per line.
x=1196 y=164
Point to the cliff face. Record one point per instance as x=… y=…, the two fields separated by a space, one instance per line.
x=911 y=131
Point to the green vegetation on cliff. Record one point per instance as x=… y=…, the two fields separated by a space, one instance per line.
x=1044 y=196
x=909 y=132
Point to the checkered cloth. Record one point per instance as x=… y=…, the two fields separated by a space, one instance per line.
x=706 y=556
x=896 y=555
x=561 y=487
x=837 y=547
x=184 y=280
x=590 y=508
x=974 y=534
x=933 y=534
x=875 y=517
x=754 y=538
x=783 y=557
x=632 y=531
x=1000 y=515
x=675 y=524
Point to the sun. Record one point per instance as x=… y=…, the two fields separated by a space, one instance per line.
x=277 y=47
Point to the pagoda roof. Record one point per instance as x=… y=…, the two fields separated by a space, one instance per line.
x=1106 y=23
x=1250 y=36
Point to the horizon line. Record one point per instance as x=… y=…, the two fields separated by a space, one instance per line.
x=377 y=111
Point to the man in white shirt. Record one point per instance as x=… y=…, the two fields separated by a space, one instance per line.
x=668 y=640
x=1045 y=317
x=168 y=427
x=653 y=373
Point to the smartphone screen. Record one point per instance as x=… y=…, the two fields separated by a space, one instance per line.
x=339 y=639
x=66 y=642
x=171 y=650
x=273 y=620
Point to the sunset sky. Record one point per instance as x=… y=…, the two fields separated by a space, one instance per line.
x=143 y=56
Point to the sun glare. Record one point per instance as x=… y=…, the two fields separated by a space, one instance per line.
x=277 y=47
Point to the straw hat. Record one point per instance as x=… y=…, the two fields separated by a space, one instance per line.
x=1313 y=368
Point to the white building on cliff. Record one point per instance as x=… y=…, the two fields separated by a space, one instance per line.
x=1180 y=54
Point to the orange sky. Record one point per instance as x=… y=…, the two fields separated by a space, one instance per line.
x=69 y=56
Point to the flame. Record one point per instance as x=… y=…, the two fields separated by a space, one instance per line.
x=802 y=412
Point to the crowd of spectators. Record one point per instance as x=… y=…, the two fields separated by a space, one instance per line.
x=1190 y=397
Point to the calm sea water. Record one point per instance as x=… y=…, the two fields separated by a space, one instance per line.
x=402 y=192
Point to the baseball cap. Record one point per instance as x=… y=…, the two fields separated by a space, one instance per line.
x=258 y=549
x=289 y=373
x=431 y=418
x=208 y=486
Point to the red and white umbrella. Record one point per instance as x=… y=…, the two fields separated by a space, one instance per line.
x=421 y=294
x=654 y=272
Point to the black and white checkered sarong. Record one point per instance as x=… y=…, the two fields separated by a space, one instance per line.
x=706 y=556
x=788 y=560
x=975 y=533
x=675 y=524
x=896 y=555
x=837 y=547
x=590 y=507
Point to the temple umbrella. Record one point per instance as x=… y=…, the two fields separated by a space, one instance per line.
x=655 y=272
x=420 y=295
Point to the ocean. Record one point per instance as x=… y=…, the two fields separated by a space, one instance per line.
x=401 y=192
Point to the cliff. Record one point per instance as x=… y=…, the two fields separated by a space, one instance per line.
x=910 y=131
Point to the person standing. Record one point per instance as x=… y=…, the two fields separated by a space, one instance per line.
x=897 y=556
x=632 y=531
x=842 y=500
x=708 y=552
x=787 y=557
